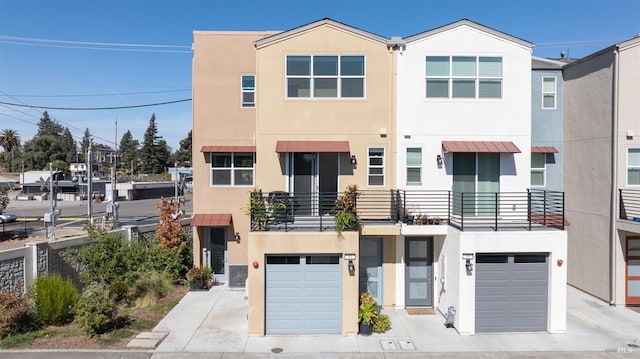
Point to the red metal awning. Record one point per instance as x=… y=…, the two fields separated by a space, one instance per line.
x=211 y=220
x=228 y=149
x=312 y=146
x=480 y=146
x=543 y=149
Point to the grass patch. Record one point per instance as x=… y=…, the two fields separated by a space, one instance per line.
x=142 y=324
x=172 y=304
x=17 y=340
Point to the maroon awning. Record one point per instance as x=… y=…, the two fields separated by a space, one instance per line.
x=228 y=149
x=480 y=146
x=312 y=146
x=211 y=220
x=543 y=149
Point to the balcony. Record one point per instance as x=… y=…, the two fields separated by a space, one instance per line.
x=630 y=204
x=531 y=210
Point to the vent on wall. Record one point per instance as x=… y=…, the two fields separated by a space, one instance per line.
x=237 y=275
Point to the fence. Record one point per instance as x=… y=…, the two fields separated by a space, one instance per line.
x=20 y=266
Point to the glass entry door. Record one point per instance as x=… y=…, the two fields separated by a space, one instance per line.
x=633 y=271
x=215 y=248
x=314 y=182
x=419 y=272
x=370 y=271
x=477 y=175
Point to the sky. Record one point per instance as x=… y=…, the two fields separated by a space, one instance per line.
x=65 y=55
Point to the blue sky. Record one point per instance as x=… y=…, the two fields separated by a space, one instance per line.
x=52 y=52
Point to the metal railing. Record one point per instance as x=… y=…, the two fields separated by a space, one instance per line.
x=630 y=204
x=534 y=209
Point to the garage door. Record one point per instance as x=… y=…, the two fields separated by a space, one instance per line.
x=303 y=294
x=511 y=292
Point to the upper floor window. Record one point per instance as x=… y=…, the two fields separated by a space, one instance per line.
x=549 y=92
x=538 y=169
x=633 y=166
x=248 y=91
x=375 y=166
x=232 y=168
x=414 y=166
x=323 y=76
x=463 y=77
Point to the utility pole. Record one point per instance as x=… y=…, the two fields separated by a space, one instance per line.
x=89 y=180
x=52 y=235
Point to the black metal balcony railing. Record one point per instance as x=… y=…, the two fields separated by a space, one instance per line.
x=630 y=204
x=534 y=209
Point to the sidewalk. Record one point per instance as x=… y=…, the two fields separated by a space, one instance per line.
x=216 y=322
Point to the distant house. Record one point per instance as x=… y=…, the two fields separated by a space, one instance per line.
x=602 y=172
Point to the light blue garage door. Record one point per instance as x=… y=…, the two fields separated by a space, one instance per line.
x=303 y=294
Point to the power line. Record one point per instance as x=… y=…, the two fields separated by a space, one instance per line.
x=95 y=48
x=105 y=94
x=95 y=108
x=90 y=42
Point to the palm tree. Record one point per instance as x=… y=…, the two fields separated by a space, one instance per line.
x=9 y=140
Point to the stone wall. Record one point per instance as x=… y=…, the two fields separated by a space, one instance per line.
x=19 y=266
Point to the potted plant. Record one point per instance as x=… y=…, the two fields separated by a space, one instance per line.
x=436 y=220
x=199 y=278
x=368 y=311
x=347 y=218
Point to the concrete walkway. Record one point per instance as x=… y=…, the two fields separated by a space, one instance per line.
x=216 y=322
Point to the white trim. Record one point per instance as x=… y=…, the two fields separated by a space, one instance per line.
x=338 y=77
x=232 y=170
x=628 y=167
x=554 y=93
x=242 y=91
x=383 y=166
x=542 y=169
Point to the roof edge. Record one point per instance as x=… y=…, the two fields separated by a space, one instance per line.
x=318 y=23
x=472 y=24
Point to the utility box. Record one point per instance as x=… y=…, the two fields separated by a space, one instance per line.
x=48 y=217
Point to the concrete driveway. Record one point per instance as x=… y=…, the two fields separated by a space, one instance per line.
x=216 y=322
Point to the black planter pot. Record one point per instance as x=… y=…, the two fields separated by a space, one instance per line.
x=364 y=329
x=196 y=284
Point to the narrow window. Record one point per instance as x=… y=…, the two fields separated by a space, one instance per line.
x=549 y=93
x=376 y=166
x=414 y=166
x=633 y=167
x=538 y=169
x=248 y=91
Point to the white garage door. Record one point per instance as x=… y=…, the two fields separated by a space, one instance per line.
x=511 y=292
x=303 y=294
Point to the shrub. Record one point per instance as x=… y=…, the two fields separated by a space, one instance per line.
x=55 y=299
x=95 y=309
x=16 y=313
x=381 y=324
x=149 y=287
x=169 y=231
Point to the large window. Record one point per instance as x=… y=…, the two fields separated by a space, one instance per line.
x=549 y=92
x=633 y=166
x=325 y=76
x=538 y=169
x=414 y=166
x=463 y=77
x=232 y=169
x=375 y=169
x=248 y=91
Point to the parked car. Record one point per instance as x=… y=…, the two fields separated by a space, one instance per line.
x=6 y=217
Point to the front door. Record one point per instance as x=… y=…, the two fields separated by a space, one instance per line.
x=314 y=182
x=370 y=271
x=419 y=272
x=477 y=175
x=633 y=270
x=216 y=252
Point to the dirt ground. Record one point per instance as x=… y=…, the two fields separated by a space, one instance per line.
x=71 y=336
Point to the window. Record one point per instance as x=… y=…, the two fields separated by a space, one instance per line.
x=231 y=169
x=463 y=77
x=633 y=166
x=325 y=76
x=538 y=169
x=248 y=91
x=414 y=166
x=375 y=169
x=549 y=92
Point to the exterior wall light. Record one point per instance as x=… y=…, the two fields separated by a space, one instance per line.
x=237 y=237
x=439 y=160
x=467 y=257
x=351 y=267
x=354 y=160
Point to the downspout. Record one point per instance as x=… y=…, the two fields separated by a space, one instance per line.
x=614 y=182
